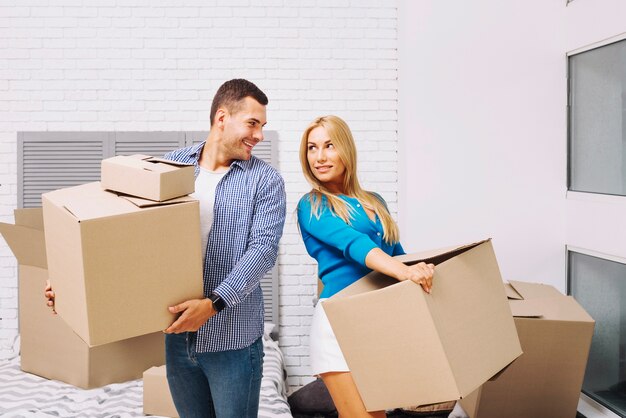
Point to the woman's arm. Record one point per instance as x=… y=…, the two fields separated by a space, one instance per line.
x=420 y=273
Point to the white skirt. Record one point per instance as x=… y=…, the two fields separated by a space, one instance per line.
x=325 y=354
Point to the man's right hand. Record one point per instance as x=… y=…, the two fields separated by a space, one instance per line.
x=49 y=294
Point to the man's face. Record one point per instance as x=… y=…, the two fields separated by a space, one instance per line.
x=243 y=129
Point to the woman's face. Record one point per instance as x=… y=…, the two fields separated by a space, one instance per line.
x=324 y=160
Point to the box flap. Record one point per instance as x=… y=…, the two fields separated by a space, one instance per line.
x=534 y=290
x=146 y=162
x=27 y=244
x=438 y=256
x=168 y=162
x=376 y=280
x=89 y=201
x=511 y=293
x=146 y=203
x=527 y=308
x=147 y=158
x=31 y=218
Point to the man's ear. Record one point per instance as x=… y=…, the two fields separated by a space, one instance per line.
x=220 y=117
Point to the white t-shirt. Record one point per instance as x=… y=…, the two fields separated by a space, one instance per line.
x=206 y=183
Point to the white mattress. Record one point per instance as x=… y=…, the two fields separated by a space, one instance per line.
x=26 y=395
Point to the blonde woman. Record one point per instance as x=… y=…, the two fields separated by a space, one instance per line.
x=350 y=232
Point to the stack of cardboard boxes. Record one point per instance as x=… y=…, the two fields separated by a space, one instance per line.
x=524 y=358
x=116 y=262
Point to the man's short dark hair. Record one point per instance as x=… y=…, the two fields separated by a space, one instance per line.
x=232 y=92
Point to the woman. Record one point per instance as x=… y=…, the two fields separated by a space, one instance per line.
x=350 y=232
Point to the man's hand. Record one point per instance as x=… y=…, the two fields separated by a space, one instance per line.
x=49 y=294
x=195 y=313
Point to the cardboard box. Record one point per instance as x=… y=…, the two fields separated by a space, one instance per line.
x=49 y=347
x=147 y=177
x=555 y=333
x=157 y=399
x=405 y=347
x=116 y=266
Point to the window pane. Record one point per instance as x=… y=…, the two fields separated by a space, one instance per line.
x=600 y=287
x=596 y=120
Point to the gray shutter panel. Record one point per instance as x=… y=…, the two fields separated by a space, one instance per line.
x=52 y=160
x=150 y=143
x=195 y=137
x=265 y=150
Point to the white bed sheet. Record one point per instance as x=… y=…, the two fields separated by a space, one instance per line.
x=26 y=395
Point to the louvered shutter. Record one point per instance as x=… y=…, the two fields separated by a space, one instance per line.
x=48 y=161
x=150 y=143
x=265 y=150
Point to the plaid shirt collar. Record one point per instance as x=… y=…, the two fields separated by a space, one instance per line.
x=196 y=151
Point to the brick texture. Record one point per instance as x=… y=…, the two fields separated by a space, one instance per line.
x=154 y=65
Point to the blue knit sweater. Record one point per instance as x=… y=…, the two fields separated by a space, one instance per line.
x=340 y=249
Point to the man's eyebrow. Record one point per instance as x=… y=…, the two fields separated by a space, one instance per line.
x=257 y=121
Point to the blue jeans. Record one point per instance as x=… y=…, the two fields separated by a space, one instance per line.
x=223 y=384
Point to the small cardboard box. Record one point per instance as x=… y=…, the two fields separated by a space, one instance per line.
x=157 y=399
x=116 y=266
x=555 y=333
x=49 y=347
x=147 y=177
x=405 y=347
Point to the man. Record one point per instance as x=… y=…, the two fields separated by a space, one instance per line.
x=214 y=351
x=217 y=370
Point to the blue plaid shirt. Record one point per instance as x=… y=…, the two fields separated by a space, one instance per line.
x=248 y=219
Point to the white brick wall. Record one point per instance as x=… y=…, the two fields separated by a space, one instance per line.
x=153 y=65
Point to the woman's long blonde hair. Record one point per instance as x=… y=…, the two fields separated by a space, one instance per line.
x=341 y=137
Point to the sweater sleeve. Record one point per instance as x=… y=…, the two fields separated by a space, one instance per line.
x=331 y=230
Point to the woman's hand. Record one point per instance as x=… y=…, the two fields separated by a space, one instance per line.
x=49 y=294
x=422 y=274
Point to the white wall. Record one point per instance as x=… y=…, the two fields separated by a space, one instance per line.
x=483 y=135
x=154 y=65
x=482 y=125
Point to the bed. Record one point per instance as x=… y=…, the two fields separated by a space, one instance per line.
x=26 y=395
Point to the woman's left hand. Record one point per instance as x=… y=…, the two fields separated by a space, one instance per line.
x=422 y=274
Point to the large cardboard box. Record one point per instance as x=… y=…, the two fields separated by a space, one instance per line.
x=148 y=177
x=157 y=399
x=555 y=333
x=49 y=347
x=405 y=347
x=116 y=266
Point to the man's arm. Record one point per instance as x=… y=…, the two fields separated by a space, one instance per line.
x=261 y=253
x=265 y=233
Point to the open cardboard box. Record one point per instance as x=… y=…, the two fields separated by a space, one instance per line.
x=555 y=333
x=147 y=177
x=405 y=347
x=116 y=263
x=49 y=347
